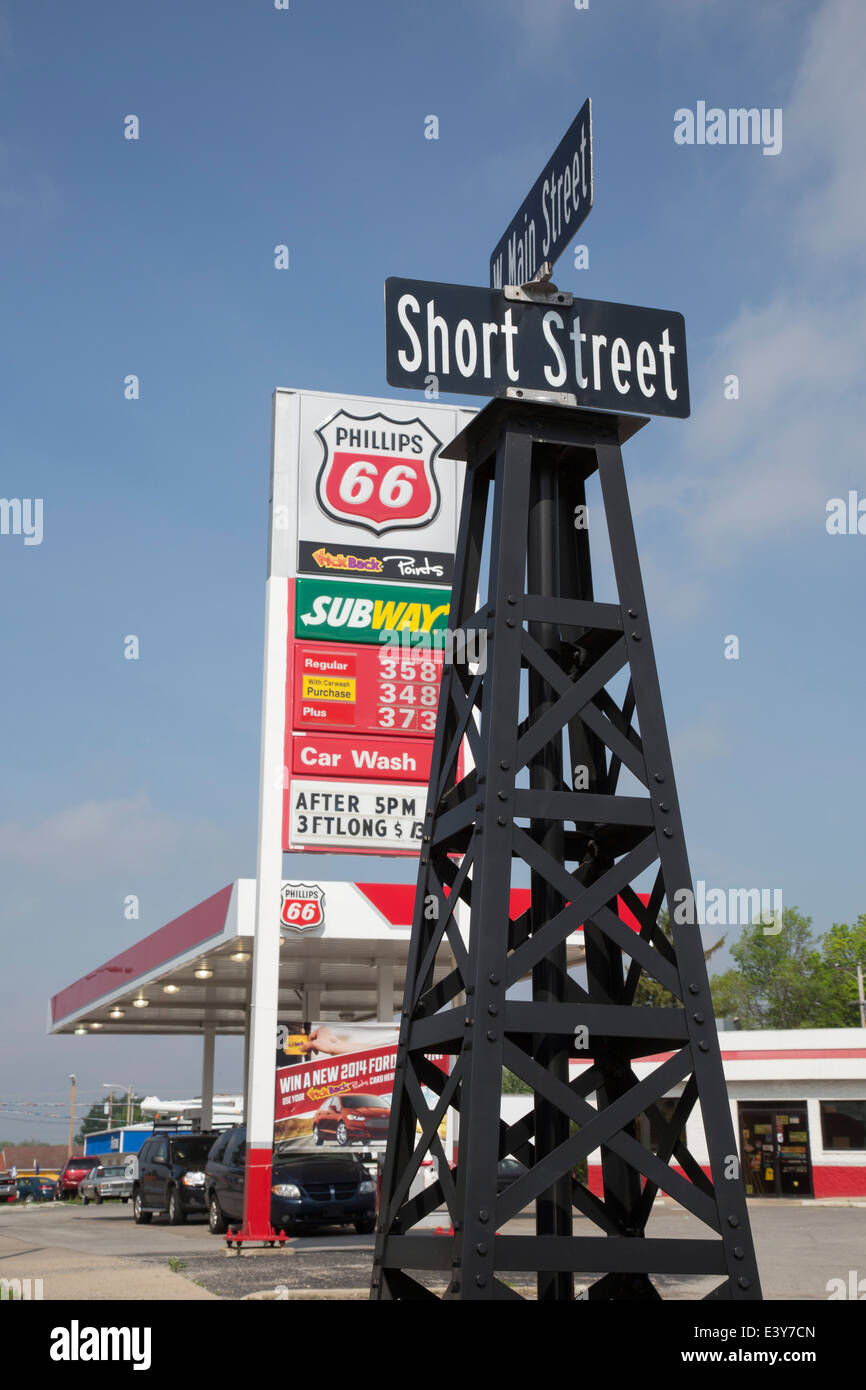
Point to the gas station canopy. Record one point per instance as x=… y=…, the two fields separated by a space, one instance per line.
x=194 y=973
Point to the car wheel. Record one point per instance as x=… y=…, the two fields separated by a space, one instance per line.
x=176 y=1213
x=142 y=1217
x=366 y=1225
x=85 y=1200
x=98 y=1199
x=124 y=1200
x=215 y=1218
x=317 y=1135
x=342 y=1134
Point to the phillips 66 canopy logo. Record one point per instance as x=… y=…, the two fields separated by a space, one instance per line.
x=377 y=473
x=303 y=907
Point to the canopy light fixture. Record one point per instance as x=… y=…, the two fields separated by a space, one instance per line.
x=170 y=989
x=116 y=1013
x=241 y=955
x=140 y=1003
x=204 y=972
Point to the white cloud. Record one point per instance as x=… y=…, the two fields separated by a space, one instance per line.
x=761 y=468
x=97 y=839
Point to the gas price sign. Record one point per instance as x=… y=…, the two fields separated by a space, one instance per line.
x=366 y=689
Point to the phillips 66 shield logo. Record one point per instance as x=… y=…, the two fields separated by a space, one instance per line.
x=303 y=907
x=377 y=473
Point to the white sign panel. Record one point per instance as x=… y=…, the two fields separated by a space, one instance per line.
x=356 y=815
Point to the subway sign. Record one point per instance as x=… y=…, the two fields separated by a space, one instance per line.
x=358 y=611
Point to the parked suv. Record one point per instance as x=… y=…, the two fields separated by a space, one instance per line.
x=307 y=1189
x=74 y=1170
x=171 y=1176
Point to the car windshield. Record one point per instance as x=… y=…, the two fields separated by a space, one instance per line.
x=368 y=1102
x=113 y=1173
x=193 y=1150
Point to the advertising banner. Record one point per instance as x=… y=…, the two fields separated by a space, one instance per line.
x=334 y=1084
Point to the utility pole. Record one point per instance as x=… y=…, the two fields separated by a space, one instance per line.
x=71 y=1117
x=860 y=996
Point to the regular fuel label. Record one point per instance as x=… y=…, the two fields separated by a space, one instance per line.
x=356 y=815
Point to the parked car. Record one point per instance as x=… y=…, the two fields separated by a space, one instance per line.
x=104 y=1182
x=508 y=1170
x=352 y=1119
x=8 y=1188
x=171 y=1176
x=307 y=1189
x=73 y=1171
x=36 y=1189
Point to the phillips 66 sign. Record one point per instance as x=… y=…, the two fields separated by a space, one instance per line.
x=377 y=472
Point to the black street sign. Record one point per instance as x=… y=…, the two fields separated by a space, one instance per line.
x=552 y=211
x=475 y=342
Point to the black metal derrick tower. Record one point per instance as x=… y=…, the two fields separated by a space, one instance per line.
x=544 y=796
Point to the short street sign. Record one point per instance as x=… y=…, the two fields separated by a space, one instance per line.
x=559 y=200
x=478 y=343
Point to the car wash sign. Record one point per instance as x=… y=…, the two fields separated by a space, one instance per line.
x=363 y=537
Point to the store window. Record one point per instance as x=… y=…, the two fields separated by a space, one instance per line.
x=843 y=1124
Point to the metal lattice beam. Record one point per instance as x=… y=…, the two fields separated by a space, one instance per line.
x=543 y=798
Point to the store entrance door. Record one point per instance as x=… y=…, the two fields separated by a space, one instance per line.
x=774 y=1148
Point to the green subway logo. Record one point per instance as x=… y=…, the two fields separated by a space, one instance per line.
x=354 y=612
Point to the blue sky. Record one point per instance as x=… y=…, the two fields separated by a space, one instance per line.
x=155 y=257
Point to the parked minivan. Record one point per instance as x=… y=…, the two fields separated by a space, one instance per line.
x=307 y=1189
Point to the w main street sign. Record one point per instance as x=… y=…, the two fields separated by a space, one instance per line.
x=553 y=209
x=480 y=342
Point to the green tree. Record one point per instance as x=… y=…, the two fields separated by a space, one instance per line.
x=513 y=1085
x=649 y=991
x=777 y=981
x=842 y=948
x=96 y=1117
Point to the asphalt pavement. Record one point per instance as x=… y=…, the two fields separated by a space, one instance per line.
x=94 y=1253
